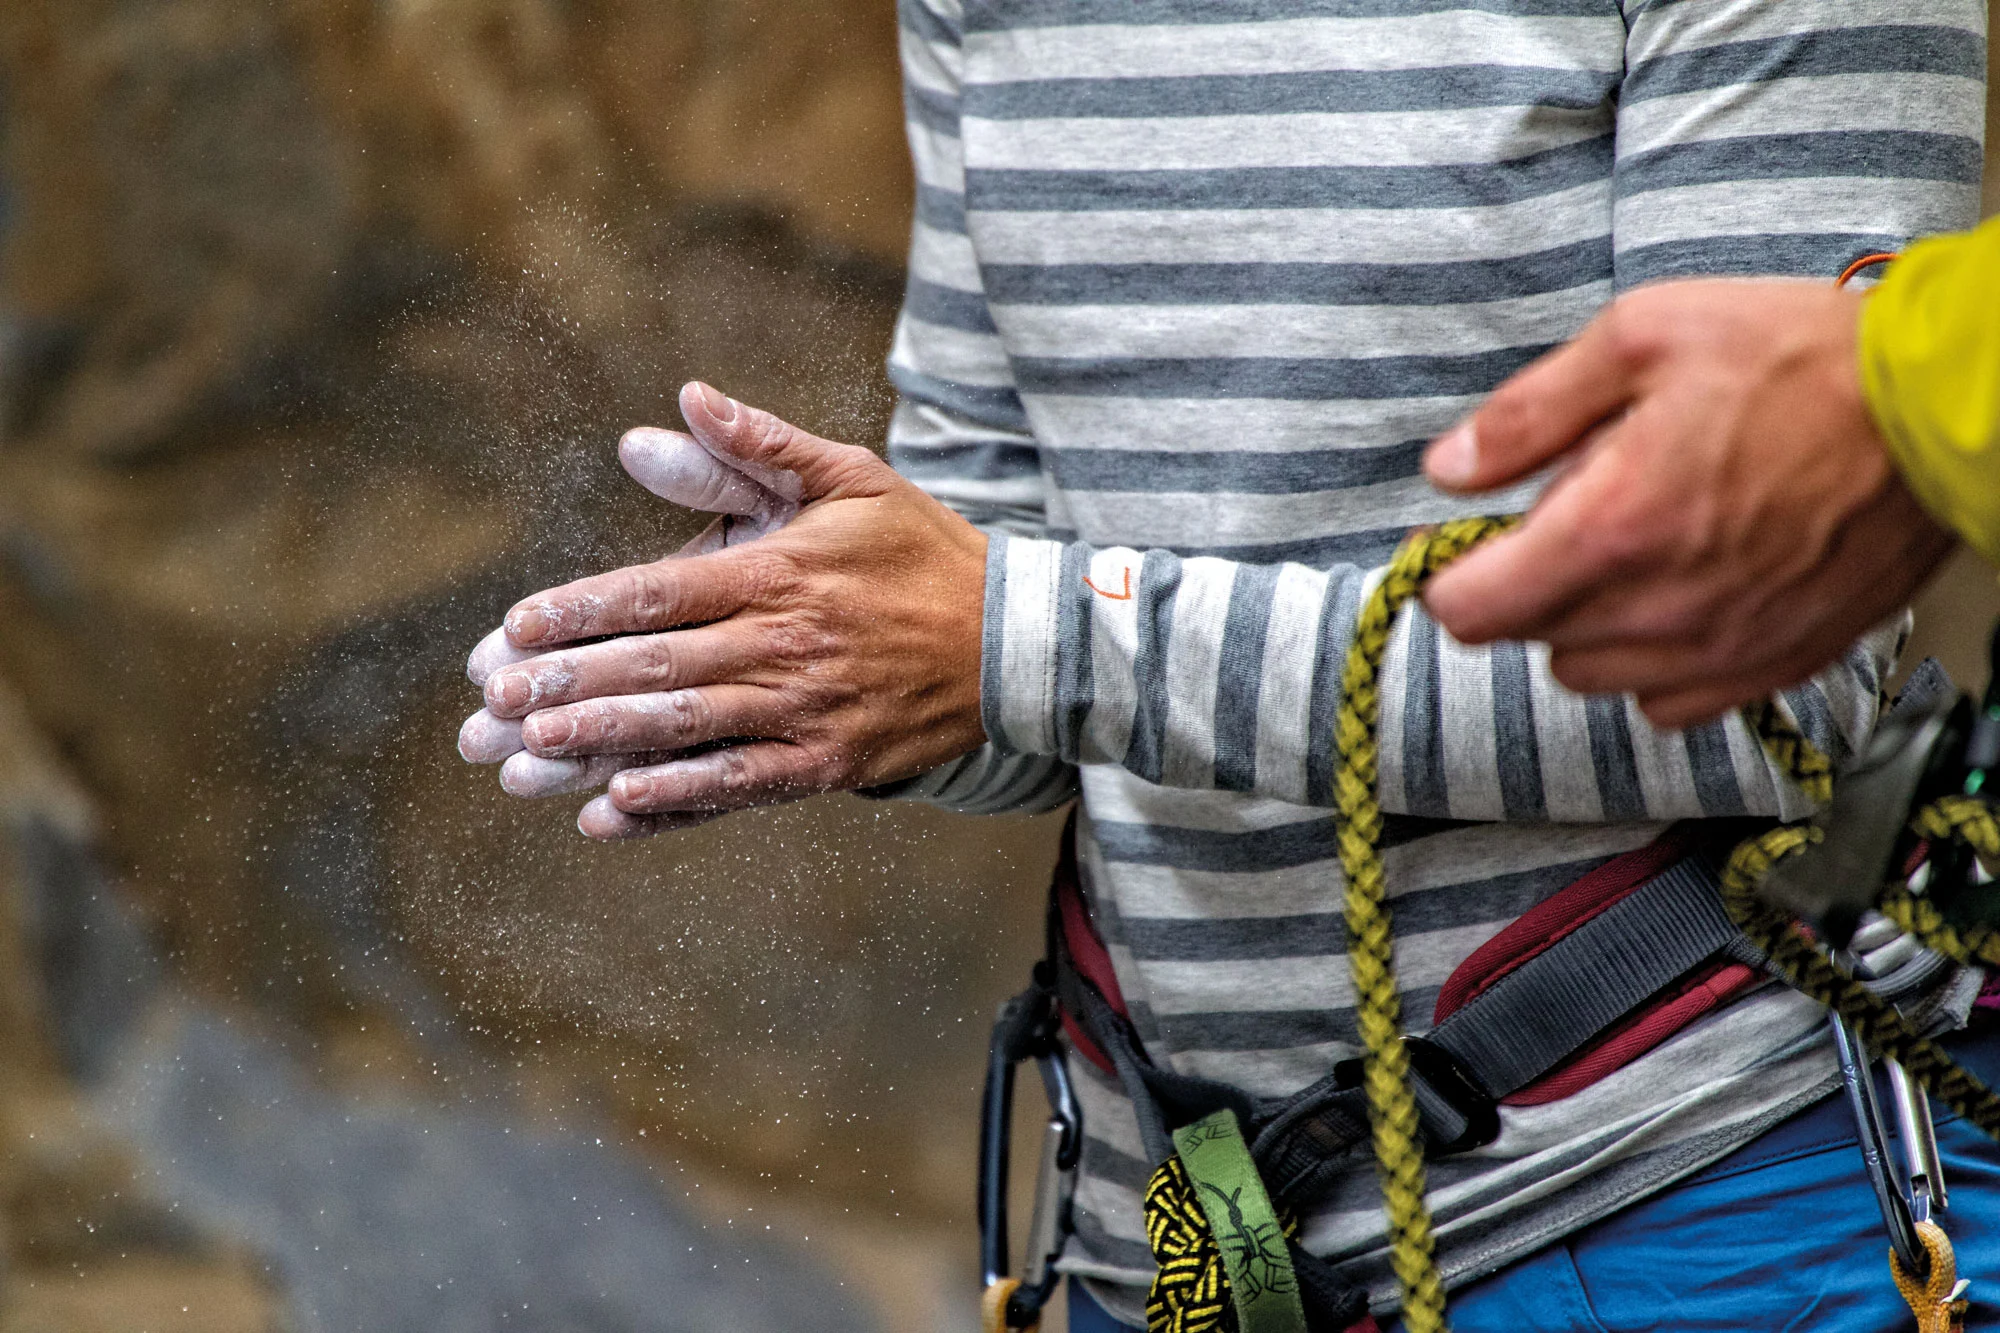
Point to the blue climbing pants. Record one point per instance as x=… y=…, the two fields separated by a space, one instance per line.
x=1782 y=1234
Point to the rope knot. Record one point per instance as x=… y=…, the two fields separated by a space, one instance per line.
x=1937 y=1302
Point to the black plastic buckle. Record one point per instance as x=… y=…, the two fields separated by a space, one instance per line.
x=1458 y=1113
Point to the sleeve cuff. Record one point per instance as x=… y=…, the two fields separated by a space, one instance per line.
x=1018 y=656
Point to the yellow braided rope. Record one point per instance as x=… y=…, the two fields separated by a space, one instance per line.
x=1392 y=1108
x=1807 y=968
x=1385 y=1062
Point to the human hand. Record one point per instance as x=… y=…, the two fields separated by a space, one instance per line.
x=676 y=468
x=1729 y=520
x=839 y=651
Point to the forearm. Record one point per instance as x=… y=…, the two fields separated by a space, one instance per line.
x=1930 y=364
x=1213 y=674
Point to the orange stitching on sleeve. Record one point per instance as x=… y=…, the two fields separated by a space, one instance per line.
x=1847 y=274
x=1124 y=596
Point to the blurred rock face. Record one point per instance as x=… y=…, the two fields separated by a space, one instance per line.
x=318 y=325
x=191 y=178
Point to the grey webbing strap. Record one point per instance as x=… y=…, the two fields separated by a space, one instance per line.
x=1556 y=1003
x=1529 y=1022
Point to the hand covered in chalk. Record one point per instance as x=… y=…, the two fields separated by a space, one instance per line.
x=838 y=649
x=676 y=468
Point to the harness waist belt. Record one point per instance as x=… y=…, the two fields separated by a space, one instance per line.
x=1533 y=1018
x=1544 y=1011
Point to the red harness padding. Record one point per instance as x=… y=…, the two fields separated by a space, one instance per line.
x=1086 y=953
x=1554 y=917
x=1541 y=926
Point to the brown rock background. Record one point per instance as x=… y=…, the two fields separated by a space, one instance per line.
x=321 y=320
x=318 y=321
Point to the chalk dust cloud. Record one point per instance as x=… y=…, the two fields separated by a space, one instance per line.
x=319 y=323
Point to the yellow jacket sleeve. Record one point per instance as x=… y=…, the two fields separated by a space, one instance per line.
x=1930 y=365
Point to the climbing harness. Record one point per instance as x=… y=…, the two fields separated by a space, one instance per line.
x=1864 y=1017
x=1601 y=972
x=1790 y=951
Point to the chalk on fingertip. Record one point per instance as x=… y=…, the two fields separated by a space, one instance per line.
x=605 y=822
x=674 y=467
x=531 y=776
x=493 y=652
x=486 y=739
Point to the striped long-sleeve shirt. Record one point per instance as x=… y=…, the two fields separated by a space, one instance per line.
x=1190 y=286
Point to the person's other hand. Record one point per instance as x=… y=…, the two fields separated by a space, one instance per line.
x=1728 y=520
x=839 y=651
x=676 y=468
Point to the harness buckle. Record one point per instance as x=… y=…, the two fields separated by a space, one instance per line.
x=1458 y=1113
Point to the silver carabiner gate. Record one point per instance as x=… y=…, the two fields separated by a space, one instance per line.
x=1025 y=1029
x=1920 y=1191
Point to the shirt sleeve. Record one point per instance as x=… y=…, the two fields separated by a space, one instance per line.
x=959 y=430
x=1751 y=138
x=1211 y=673
x=1930 y=364
x=1794 y=138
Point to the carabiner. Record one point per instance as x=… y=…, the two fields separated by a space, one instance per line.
x=1859 y=1085
x=1025 y=1029
x=1918 y=1138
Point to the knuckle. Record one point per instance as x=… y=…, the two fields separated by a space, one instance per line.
x=851 y=463
x=1572 y=673
x=1504 y=417
x=1680 y=622
x=1730 y=642
x=541 y=732
x=837 y=769
x=733 y=772
x=1662 y=711
x=654 y=595
x=686 y=713
x=658 y=662
x=1632 y=329
x=764 y=433
x=815 y=768
x=775 y=570
x=1612 y=545
x=801 y=637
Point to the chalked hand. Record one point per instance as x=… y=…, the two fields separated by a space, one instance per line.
x=839 y=649
x=487 y=739
x=676 y=468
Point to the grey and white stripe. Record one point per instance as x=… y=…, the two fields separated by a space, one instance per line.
x=1190 y=286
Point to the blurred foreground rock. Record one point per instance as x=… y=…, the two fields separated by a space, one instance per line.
x=174 y=1163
